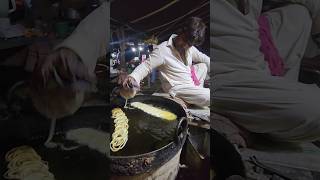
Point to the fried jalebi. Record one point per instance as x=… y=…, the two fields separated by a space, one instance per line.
x=157 y=112
x=25 y=163
x=120 y=134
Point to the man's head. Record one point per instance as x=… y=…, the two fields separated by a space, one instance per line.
x=193 y=31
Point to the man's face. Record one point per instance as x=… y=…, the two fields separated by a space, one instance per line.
x=196 y=38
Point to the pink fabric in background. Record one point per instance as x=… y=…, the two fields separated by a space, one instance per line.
x=271 y=54
x=194 y=76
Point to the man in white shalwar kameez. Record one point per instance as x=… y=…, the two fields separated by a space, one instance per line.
x=174 y=59
x=244 y=89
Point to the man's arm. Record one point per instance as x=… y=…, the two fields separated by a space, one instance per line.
x=312 y=5
x=89 y=40
x=200 y=57
x=155 y=60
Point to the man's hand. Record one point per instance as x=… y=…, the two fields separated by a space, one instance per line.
x=59 y=83
x=129 y=86
x=63 y=65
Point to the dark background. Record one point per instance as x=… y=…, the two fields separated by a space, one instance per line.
x=124 y=12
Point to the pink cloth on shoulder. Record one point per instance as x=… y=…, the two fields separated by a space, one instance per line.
x=271 y=54
x=194 y=76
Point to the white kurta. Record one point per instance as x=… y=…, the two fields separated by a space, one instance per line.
x=89 y=42
x=243 y=88
x=90 y=38
x=175 y=74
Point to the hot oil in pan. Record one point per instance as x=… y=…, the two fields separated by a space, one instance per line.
x=146 y=133
x=81 y=164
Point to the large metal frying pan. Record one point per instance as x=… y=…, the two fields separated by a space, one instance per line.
x=83 y=163
x=32 y=129
x=146 y=162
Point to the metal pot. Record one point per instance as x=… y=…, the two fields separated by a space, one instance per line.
x=32 y=129
x=147 y=162
x=83 y=163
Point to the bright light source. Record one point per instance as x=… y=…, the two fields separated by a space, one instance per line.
x=140 y=48
x=133 y=49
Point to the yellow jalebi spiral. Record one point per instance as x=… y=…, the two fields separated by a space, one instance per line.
x=157 y=112
x=24 y=163
x=120 y=134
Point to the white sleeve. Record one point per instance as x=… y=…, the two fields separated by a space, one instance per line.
x=200 y=57
x=89 y=40
x=155 y=60
x=312 y=5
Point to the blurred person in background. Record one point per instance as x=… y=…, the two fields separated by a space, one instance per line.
x=61 y=78
x=257 y=63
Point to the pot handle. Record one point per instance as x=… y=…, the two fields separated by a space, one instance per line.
x=181 y=130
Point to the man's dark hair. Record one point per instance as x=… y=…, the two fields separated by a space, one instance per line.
x=194 y=30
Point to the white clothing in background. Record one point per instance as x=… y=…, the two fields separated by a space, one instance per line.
x=243 y=88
